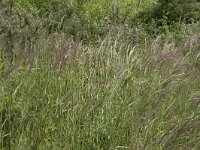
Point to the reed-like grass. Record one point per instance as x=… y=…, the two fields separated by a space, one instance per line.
x=61 y=88
x=61 y=94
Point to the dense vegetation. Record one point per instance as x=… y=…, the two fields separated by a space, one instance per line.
x=98 y=74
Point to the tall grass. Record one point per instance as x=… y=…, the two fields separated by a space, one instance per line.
x=61 y=94
x=117 y=88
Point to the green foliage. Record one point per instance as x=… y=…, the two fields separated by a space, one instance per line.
x=168 y=12
x=84 y=18
x=24 y=4
x=175 y=10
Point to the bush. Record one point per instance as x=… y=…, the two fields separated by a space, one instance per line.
x=169 y=12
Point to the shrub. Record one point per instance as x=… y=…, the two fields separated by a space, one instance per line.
x=176 y=10
x=169 y=12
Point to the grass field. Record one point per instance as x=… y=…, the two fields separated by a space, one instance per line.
x=128 y=90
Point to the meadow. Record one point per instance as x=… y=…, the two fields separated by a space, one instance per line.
x=99 y=75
